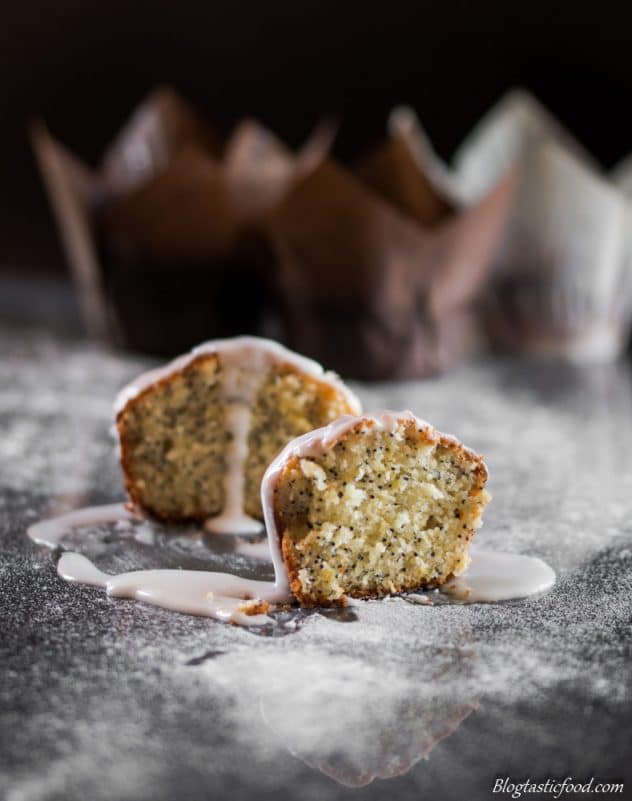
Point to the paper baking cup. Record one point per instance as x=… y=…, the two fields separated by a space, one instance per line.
x=561 y=274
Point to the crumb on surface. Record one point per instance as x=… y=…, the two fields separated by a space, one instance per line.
x=254 y=607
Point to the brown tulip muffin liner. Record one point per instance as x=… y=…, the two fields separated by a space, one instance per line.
x=369 y=290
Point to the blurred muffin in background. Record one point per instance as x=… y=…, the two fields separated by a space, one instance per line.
x=163 y=238
x=560 y=285
x=388 y=269
x=378 y=273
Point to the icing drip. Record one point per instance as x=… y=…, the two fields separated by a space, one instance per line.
x=233 y=520
x=498 y=576
x=239 y=386
x=50 y=532
x=193 y=592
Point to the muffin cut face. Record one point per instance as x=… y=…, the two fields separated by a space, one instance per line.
x=173 y=438
x=198 y=438
x=287 y=405
x=375 y=506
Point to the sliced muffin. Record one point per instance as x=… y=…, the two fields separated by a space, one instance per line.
x=372 y=505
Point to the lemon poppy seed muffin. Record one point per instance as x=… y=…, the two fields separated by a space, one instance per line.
x=197 y=435
x=372 y=505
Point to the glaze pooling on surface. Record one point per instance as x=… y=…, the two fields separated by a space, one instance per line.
x=245 y=362
x=50 y=532
x=497 y=576
x=192 y=592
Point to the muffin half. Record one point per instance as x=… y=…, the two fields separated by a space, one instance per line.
x=197 y=435
x=372 y=505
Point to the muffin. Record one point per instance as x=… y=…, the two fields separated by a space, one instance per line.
x=372 y=505
x=197 y=435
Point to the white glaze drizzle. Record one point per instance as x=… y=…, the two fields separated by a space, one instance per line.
x=245 y=362
x=50 y=532
x=497 y=576
x=192 y=592
x=491 y=576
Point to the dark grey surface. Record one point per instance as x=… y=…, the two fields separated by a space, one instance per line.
x=110 y=699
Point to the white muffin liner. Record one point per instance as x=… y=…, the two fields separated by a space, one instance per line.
x=562 y=275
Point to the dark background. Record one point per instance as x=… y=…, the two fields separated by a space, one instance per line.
x=83 y=66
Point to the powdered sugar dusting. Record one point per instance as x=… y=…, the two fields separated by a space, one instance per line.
x=122 y=699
